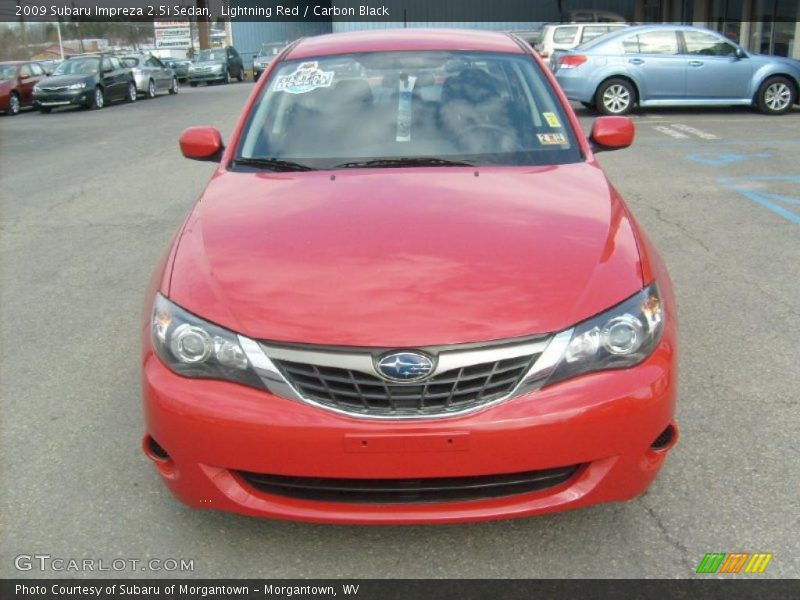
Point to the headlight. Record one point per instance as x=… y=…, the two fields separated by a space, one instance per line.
x=77 y=86
x=192 y=347
x=618 y=338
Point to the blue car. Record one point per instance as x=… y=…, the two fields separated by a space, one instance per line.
x=674 y=65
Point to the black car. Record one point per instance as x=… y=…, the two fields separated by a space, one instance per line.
x=216 y=65
x=179 y=65
x=88 y=80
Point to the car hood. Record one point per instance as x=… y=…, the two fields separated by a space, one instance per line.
x=406 y=257
x=209 y=63
x=63 y=80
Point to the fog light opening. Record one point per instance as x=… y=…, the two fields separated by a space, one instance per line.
x=666 y=439
x=154 y=450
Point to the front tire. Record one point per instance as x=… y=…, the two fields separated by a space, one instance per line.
x=776 y=96
x=174 y=89
x=151 y=89
x=98 y=99
x=193 y=83
x=240 y=76
x=13 y=104
x=615 y=97
x=132 y=93
x=227 y=79
x=45 y=110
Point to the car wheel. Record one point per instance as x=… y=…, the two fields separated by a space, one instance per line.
x=240 y=76
x=227 y=76
x=193 y=83
x=151 y=89
x=615 y=97
x=174 y=88
x=98 y=99
x=776 y=96
x=13 y=104
x=132 y=94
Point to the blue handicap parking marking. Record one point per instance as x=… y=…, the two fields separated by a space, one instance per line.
x=748 y=187
x=721 y=159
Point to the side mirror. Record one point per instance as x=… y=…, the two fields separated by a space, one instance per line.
x=612 y=133
x=740 y=54
x=202 y=143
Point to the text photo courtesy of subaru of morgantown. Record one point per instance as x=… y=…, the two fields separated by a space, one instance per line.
x=449 y=272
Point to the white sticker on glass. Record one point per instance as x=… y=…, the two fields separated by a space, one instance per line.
x=307 y=77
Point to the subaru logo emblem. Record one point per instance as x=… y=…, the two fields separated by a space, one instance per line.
x=405 y=366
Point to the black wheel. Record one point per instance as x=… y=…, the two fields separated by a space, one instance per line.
x=13 y=104
x=776 y=96
x=98 y=99
x=45 y=110
x=615 y=97
x=174 y=87
x=131 y=94
x=151 y=89
x=227 y=76
x=193 y=83
x=240 y=76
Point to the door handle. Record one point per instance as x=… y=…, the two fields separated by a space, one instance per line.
x=695 y=63
x=636 y=61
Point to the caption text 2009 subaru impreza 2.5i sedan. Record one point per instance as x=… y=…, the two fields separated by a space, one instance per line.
x=408 y=294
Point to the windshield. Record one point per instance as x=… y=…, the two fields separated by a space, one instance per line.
x=78 y=66
x=419 y=107
x=7 y=72
x=130 y=61
x=271 y=49
x=211 y=55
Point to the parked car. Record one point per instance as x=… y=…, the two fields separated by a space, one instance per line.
x=217 y=65
x=529 y=36
x=565 y=36
x=150 y=74
x=673 y=65
x=388 y=309
x=89 y=80
x=179 y=65
x=16 y=85
x=264 y=57
x=589 y=15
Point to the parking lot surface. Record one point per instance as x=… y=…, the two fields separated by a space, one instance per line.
x=89 y=201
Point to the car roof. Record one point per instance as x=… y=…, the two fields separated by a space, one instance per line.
x=393 y=40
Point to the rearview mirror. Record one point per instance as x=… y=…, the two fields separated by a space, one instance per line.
x=202 y=143
x=612 y=133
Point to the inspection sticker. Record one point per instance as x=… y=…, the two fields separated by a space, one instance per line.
x=307 y=77
x=551 y=119
x=549 y=139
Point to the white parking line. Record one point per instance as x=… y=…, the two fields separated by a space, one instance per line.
x=694 y=131
x=671 y=132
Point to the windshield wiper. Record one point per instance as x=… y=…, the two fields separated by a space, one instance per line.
x=420 y=161
x=274 y=164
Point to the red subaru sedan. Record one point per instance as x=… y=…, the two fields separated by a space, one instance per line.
x=409 y=294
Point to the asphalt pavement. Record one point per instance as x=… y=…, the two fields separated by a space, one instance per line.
x=90 y=199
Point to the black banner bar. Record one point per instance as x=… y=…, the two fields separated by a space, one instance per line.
x=402 y=589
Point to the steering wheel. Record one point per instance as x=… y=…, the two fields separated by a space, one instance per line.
x=501 y=133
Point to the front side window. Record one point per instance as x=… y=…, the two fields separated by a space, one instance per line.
x=658 y=42
x=24 y=71
x=706 y=44
x=592 y=31
x=414 y=107
x=565 y=35
x=36 y=69
x=78 y=66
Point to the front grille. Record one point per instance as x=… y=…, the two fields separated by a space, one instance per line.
x=451 y=391
x=396 y=491
x=53 y=90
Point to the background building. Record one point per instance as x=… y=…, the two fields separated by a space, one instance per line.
x=764 y=26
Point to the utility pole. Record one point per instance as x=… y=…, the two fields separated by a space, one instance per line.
x=202 y=24
x=60 y=42
x=23 y=30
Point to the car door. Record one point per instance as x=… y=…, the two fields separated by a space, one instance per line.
x=110 y=76
x=717 y=69
x=158 y=72
x=656 y=64
x=26 y=79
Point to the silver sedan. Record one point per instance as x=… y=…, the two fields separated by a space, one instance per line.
x=151 y=75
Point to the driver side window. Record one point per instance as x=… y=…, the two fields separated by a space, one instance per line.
x=706 y=44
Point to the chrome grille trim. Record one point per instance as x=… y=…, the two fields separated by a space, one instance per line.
x=547 y=353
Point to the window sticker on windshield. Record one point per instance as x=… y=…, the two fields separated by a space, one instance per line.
x=550 y=139
x=404 y=108
x=307 y=77
x=551 y=119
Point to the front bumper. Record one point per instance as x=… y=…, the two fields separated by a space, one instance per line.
x=66 y=98
x=606 y=422
x=210 y=76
